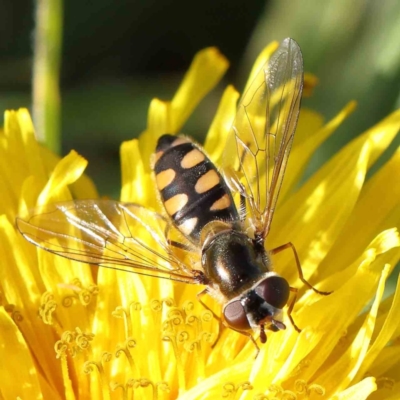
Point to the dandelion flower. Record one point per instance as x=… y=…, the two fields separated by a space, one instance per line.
x=69 y=330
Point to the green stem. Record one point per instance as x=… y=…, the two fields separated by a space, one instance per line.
x=46 y=72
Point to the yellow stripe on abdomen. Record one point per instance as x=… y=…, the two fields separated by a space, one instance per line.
x=176 y=203
x=207 y=181
x=164 y=178
x=192 y=159
x=222 y=203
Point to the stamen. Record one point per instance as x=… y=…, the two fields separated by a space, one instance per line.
x=73 y=342
x=83 y=340
x=230 y=390
x=125 y=349
x=91 y=366
x=184 y=329
x=143 y=383
x=136 y=306
x=47 y=307
x=156 y=305
x=80 y=293
x=86 y=295
x=279 y=393
x=171 y=338
x=123 y=313
x=383 y=382
x=301 y=366
x=115 y=385
x=302 y=388
x=68 y=301
x=14 y=313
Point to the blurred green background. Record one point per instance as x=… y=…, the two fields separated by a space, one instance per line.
x=117 y=55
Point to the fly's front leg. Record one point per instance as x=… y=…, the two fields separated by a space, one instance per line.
x=249 y=335
x=220 y=322
x=223 y=323
x=300 y=271
x=199 y=296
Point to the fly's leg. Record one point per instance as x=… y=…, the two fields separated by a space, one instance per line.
x=300 y=271
x=250 y=336
x=242 y=210
x=223 y=323
x=220 y=322
x=180 y=246
x=278 y=325
x=184 y=247
x=290 y=309
x=199 y=296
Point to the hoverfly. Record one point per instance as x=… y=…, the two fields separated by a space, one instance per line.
x=219 y=219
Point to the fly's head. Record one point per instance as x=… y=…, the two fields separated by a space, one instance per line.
x=259 y=307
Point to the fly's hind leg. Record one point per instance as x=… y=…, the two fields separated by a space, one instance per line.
x=242 y=210
x=242 y=191
x=290 y=245
x=290 y=309
x=180 y=246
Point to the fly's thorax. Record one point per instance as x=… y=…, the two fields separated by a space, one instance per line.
x=191 y=188
x=231 y=261
x=260 y=306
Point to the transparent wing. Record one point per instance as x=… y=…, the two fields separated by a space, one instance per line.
x=111 y=234
x=257 y=151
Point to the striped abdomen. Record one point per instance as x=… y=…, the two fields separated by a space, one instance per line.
x=191 y=188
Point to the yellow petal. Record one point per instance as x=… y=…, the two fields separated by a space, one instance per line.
x=305 y=144
x=67 y=171
x=207 y=68
x=228 y=381
x=69 y=390
x=386 y=362
x=18 y=371
x=157 y=125
x=32 y=154
x=382 y=134
x=22 y=284
x=391 y=324
x=326 y=318
x=221 y=124
x=386 y=245
x=83 y=188
x=339 y=375
x=359 y=391
x=263 y=58
x=15 y=156
x=377 y=210
x=135 y=176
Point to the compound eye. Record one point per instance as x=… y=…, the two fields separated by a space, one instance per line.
x=235 y=316
x=274 y=290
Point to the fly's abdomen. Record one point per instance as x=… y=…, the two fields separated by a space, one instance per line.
x=192 y=190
